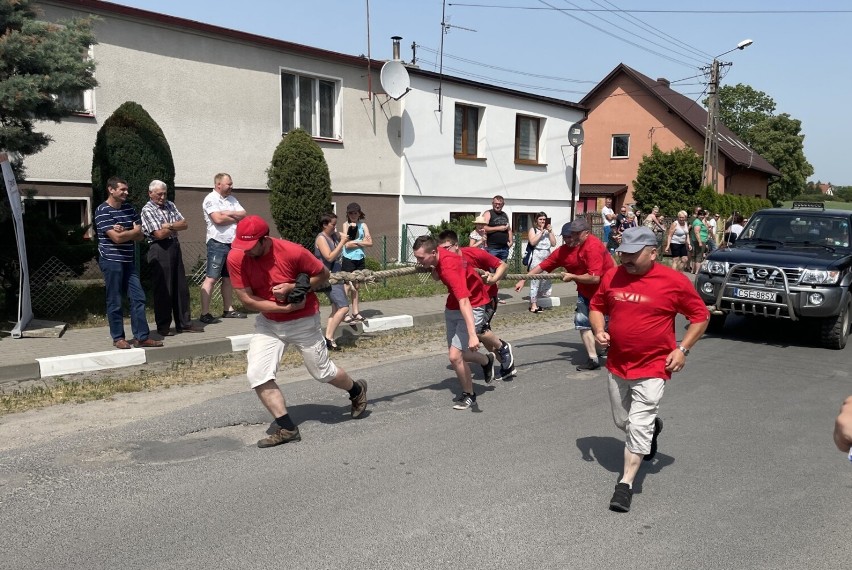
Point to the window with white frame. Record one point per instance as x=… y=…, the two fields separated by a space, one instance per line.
x=620 y=146
x=82 y=102
x=310 y=103
x=527 y=137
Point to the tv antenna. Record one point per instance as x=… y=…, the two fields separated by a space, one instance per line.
x=445 y=29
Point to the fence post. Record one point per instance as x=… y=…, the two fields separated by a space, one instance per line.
x=517 y=256
x=403 y=242
x=384 y=257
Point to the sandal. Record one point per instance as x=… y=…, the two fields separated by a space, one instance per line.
x=358 y=318
x=330 y=344
x=348 y=319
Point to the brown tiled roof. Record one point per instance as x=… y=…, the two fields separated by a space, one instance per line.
x=694 y=115
x=602 y=189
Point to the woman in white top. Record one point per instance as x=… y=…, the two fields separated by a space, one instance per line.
x=542 y=239
x=477 y=236
x=678 y=242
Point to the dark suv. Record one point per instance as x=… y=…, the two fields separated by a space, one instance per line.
x=788 y=264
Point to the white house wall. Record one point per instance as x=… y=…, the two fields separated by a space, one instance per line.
x=218 y=102
x=434 y=183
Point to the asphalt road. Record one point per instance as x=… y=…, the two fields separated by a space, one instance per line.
x=747 y=475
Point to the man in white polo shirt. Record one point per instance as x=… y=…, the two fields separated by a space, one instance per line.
x=221 y=213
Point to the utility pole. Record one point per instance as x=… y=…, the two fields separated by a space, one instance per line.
x=710 y=172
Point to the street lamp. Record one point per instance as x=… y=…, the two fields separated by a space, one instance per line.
x=711 y=142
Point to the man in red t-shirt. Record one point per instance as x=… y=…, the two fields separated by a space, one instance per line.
x=585 y=259
x=642 y=299
x=464 y=313
x=275 y=278
x=496 y=269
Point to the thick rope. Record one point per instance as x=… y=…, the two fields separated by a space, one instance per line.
x=368 y=276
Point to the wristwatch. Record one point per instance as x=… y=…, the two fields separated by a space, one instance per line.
x=683 y=349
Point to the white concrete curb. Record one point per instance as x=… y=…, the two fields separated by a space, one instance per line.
x=375 y=324
x=548 y=302
x=89 y=362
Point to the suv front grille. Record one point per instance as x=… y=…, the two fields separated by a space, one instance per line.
x=764 y=277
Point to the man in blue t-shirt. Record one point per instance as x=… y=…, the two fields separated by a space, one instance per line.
x=118 y=225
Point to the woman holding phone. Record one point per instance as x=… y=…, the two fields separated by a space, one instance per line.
x=542 y=240
x=354 y=255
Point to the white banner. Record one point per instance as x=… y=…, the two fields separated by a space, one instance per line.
x=25 y=309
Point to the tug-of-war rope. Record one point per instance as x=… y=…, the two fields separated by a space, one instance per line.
x=368 y=276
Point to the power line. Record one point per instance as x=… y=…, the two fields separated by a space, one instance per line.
x=781 y=12
x=467 y=74
x=495 y=67
x=651 y=28
x=626 y=31
x=566 y=12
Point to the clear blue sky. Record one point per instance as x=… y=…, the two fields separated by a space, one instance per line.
x=802 y=60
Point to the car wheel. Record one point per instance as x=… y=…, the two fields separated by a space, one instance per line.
x=717 y=323
x=835 y=330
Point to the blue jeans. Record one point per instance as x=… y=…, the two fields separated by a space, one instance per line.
x=121 y=279
x=501 y=253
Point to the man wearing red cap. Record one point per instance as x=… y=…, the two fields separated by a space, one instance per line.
x=275 y=277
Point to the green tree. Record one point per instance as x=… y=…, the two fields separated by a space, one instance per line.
x=778 y=138
x=42 y=65
x=130 y=144
x=669 y=180
x=741 y=108
x=299 y=187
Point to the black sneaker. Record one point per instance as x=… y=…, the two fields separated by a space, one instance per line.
x=592 y=364
x=620 y=501
x=466 y=402
x=658 y=427
x=488 y=369
x=507 y=373
x=208 y=319
x=280 y=436
x=507 y=358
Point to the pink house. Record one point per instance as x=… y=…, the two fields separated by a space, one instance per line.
x=628 y=114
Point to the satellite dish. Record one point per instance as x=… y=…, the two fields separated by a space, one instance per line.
x=395 y=80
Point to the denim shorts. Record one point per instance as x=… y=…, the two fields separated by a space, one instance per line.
x=217 y=258
x=337 y=295
x=581 y=317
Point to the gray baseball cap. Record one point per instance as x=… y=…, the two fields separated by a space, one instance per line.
x=634 y=239
x=578 y=225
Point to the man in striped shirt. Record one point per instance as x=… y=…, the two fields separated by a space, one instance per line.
x=118 y=226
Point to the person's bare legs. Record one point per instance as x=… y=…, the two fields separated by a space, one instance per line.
x=352 y=293
x=206 y=292
x=334 y=320
x=490 y=341
x=632 y=462
x=342 y=380
x=271 y=397
x=462 y=371
x=589 y=342
x=227 y=295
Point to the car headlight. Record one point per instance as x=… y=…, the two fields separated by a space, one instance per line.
x=715 y=267
x=819 y=277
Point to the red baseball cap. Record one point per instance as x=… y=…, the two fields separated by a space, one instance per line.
x=249 y=231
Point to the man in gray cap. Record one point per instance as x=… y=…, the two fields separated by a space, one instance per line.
x=585 y=260
x=642 y=298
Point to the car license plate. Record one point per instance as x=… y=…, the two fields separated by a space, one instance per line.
x=754 y=294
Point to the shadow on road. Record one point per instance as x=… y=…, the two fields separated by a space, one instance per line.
x=609 y=454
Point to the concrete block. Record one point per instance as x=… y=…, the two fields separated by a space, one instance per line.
x=375 y=324
x=91 y=361
x=548 y=302
x=240 y=342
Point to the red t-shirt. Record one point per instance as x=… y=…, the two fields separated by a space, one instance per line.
x=642 y=310
x=590 y=257
x=282 y=264
x=483 y=260
x=461 y=279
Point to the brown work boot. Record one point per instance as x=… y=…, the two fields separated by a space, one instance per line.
x=147 y=343
x=123 y=344
x=279 y=437
x=359 y=402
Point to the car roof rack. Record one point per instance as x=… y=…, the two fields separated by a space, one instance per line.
x=801 y=205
